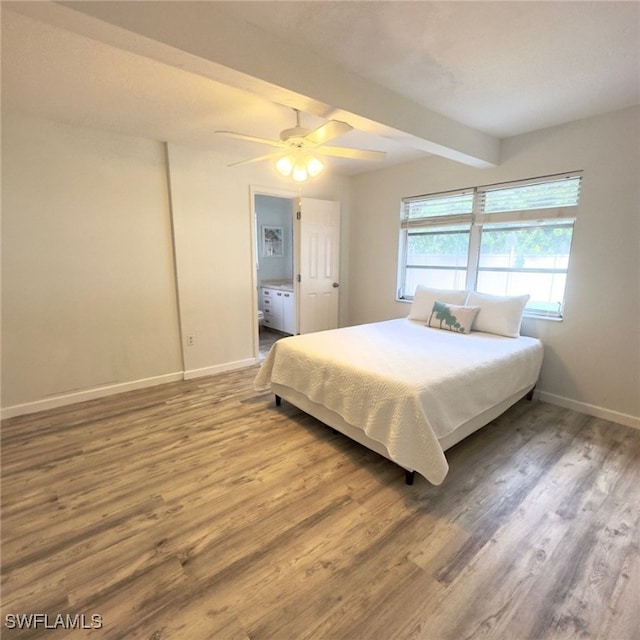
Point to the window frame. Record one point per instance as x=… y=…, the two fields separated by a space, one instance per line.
x=477 y=218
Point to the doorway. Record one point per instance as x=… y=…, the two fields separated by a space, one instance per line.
x=296 y=265
x=273 y=248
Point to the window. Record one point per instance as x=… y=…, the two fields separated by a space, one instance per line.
x=504 y=239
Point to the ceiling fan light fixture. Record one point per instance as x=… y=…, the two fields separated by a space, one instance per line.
x=314 y=166
x=300 y=173
x=298 y=147
x=294 y=146
x=285 y=165
x=299 y=165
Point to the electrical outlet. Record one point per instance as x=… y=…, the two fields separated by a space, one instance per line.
x=189 y=341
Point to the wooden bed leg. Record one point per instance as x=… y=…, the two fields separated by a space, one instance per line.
x=278 y=401
x=409 y=476
x=529 y=395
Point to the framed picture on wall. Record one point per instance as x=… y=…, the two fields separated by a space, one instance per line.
x=272 y=242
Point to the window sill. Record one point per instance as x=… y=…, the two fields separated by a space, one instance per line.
x=540 y=316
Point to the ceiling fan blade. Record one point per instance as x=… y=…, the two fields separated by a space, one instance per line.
x=328 y=131
x=355 y=154
x=242 y=136
x=266 y=156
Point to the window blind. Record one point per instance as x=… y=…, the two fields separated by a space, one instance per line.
x=453 y=207
x=549 y=193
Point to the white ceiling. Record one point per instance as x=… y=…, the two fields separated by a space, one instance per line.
x=451 y=78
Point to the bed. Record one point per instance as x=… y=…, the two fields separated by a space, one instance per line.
x=408 y=388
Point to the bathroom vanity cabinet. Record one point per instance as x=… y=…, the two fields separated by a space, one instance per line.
x=279 y=308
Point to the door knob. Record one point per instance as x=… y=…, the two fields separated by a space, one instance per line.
x=335 y=285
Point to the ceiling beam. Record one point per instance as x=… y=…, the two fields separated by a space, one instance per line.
x=202 y=38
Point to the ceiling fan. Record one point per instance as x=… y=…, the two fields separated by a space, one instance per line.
x=299 y=148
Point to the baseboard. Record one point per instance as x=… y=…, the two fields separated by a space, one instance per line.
x=219 y=368
x=62 y=400
x=87 y=394
x=589 y=409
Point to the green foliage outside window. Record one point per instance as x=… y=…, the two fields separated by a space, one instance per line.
x=540 y=241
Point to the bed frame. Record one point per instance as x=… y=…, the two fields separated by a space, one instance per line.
x=336 y=422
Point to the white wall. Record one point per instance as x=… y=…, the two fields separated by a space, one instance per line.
x=93 y=300
x=214 y=238
x=213 y=257
x=88 y=289
x=592 y=357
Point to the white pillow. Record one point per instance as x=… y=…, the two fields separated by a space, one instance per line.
x=501 y=315
x=452 y=317
x=424 y=297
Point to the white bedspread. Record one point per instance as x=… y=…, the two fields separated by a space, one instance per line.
x=404 y=384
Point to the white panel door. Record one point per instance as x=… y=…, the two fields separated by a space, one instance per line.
x=319 y=265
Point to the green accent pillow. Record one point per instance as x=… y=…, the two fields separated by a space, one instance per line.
x=452 y=317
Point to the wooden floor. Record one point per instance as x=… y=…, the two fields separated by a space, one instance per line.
x=267 y=338
x=200 y=510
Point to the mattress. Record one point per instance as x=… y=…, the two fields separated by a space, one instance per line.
x=405 y=385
